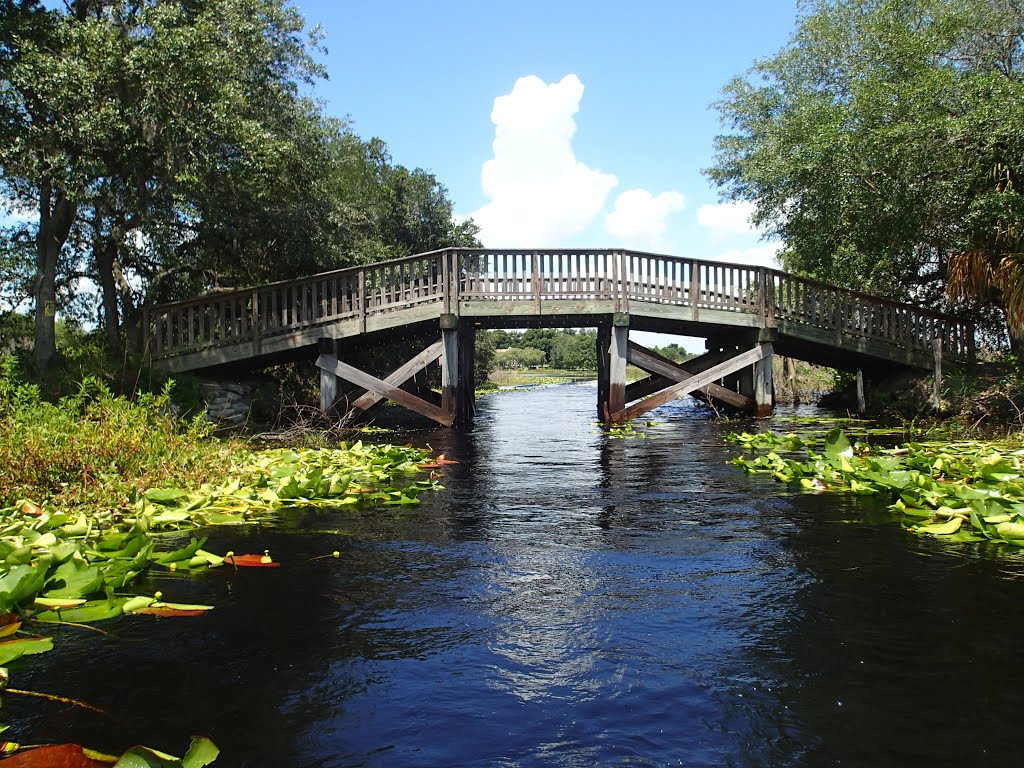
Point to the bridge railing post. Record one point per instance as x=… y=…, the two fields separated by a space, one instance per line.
x=694 y=290
x=446 y=282
x=255 y=323
x=362 y=299
x=145 y=334
x=535 y=278
x=762 y=292
x=623 y=297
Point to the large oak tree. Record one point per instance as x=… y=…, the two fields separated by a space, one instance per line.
x=170 y=148
x=868 y=143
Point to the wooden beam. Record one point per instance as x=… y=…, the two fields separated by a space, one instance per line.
x=373 y=384
x=401 y=375
x=652 y=362
x=696 y=382
x=647 y=386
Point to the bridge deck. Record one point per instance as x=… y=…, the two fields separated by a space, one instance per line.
x=515 y=288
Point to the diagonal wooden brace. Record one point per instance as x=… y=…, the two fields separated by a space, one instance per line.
x=400 y=375
x=668 y=372
x=699 y=381
x=384 y=389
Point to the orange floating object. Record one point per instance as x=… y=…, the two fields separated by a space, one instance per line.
x=52 y=756
x=251 y=561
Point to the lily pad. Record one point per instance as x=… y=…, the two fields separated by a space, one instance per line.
x=28 y=646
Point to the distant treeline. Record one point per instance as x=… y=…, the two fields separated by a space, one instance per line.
x=566 y=349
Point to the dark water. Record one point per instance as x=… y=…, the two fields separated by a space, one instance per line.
x=570 y=600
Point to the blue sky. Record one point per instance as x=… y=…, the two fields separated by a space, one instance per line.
x=603 y=119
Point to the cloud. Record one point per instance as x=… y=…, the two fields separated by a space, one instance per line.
x=757 y=256
x=638 y=218
x=539 y=193
x=727 y=218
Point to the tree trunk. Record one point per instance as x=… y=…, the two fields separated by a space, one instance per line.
x=103 y=254
x=55 y=220
x=1016 y=344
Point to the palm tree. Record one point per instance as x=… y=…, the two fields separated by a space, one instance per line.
x=993 y=270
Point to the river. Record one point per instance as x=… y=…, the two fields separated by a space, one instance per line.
x=570 y=599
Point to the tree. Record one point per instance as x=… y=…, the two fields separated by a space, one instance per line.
x=868 y=141
x=519 y=357
x=483 y=357
x=169 y=149
x=117 y=115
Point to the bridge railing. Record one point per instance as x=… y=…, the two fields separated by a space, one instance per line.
x=823 y=306
x=613 y=278
x=255 y=314
x=509 y=275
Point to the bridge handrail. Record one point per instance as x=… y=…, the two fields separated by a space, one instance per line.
x=453 y=276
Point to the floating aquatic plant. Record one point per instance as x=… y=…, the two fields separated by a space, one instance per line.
x=960 y=491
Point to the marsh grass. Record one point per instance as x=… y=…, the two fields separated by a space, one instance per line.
x=97 y=448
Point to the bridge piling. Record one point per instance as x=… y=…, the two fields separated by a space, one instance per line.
x=465 y=400
x=328 y=380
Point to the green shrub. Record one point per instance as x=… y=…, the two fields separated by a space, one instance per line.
x=96 y=447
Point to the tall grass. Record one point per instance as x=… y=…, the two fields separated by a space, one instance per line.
x=97 y=448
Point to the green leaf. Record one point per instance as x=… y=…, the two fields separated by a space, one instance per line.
x=166 y=495
x=1011 y=530
x=837 y=445
x=177 y=555
x=15 y=649
x=144 y=757
x=94 y=610
x=201 y=752
x=950 y=526
x=21 y=583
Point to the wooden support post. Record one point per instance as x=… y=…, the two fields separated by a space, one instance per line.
x=618 y=352
x=449 y=369
x=862 y=406
x=763 y=386
x=937 y=385
x=328 y=381
x=604 y=341
x=790 y=370
x=745 y=381
x=465 y=405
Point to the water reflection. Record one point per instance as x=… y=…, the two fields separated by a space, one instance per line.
x=569 y=600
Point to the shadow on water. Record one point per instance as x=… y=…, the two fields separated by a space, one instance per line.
x=569 y=600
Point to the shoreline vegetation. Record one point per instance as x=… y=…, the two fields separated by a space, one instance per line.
x=91 y=484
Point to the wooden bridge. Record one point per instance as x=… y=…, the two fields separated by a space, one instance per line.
x=746 y=313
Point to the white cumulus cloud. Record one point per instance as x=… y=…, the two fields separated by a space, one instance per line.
x=727 y=218
x=638 y=218
x=539 y=192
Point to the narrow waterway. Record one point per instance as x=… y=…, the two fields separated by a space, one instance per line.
x=570 y=599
